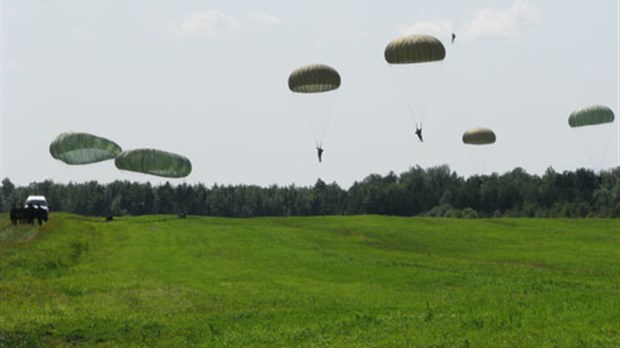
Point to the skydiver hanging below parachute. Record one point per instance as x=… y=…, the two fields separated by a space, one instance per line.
x=480 y=141
x=418 y=132
x=590 y=125
x=319 y=152
x=453 y=37
x=315 y=85
x=419 y=58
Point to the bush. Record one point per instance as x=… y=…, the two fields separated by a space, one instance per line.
x=469 y=213
x=447 y=211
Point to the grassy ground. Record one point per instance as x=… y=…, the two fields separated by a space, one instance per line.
x=364 y=281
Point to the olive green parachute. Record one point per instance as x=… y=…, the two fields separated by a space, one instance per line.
x=411 y=49
x=478 y=136
x=154 y=162
x=83 y=148
x=590 y=116
x=315 y=78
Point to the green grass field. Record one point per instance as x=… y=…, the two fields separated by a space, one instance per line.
x=362 y=281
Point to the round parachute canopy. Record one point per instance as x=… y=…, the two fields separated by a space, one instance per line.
x=314 y=78
x=154 y=162
x=478 y=136
x=412 y=49
x=83 y=148
x=590 y=116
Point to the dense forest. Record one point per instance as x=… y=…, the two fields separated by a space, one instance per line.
x=435 y=191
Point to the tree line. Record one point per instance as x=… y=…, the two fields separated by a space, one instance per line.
x=435 y=191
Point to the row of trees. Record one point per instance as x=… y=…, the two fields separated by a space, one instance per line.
x=435 y=191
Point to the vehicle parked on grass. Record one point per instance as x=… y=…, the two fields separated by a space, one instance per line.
x=35 y=208
x=40 y=203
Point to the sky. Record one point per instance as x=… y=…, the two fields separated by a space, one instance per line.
x=208 y=79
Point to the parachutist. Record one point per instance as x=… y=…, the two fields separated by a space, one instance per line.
x=312 y=80
x=453 y=37
x=418 y=132
x=415 y=49
x=319 y=152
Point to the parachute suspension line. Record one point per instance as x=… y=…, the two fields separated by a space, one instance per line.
x=315 y=135
x=418 y=112
x=432 y=86
x=605 y=147
x=318 y=118
x=584 y=149
x=473 y=161
x=306 y=114
x=480 y=157
x=403 y=95
x=329 y=117
x=459 y=17
x=597 y=162
x=455 y=16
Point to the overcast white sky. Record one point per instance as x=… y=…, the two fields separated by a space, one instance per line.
x=208 y=79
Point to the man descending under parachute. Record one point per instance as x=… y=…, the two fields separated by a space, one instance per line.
x=311 y=82
x=319 y=152
x=480 y=139
x=411 y=51
x=589 y=123
x=418 y=132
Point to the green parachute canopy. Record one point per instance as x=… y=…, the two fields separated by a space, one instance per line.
x=478 y=136
x=315 y=78
x=154 y=162
x=83 y=148
x=590 y=116
x=412 y=49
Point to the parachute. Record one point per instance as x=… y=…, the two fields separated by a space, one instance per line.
x=83 y=148
x=589 y=123
x=309 y=84
x=413 y=49
x=315 y=78
x=154 y=162
x=481 y=153
x=591 y=115
x=478 y=136
x=415 y=62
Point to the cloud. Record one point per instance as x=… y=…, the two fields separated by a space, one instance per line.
x=490 y=23
x=436 y=27
x=207 y=23
x=266 y=18
x=215 y=23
